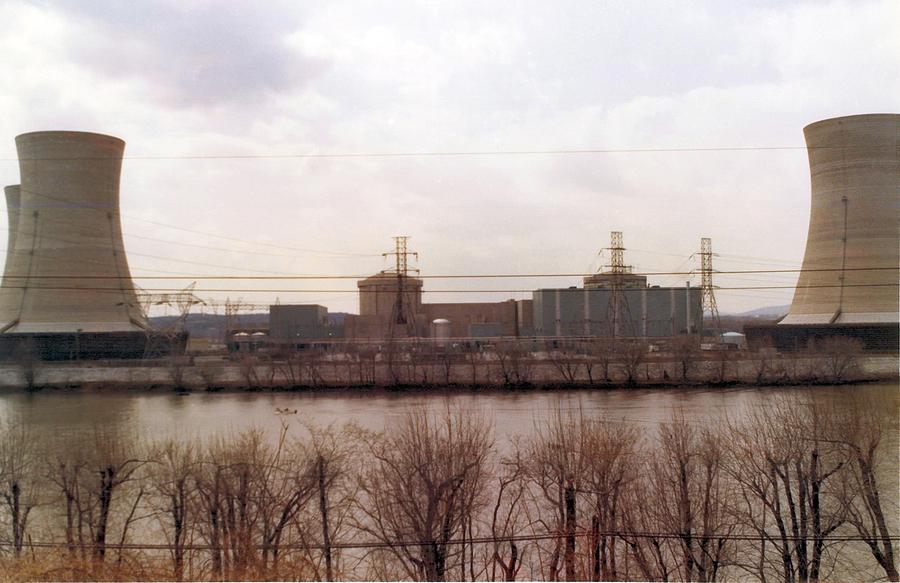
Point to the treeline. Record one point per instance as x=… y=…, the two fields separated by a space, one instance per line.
x=795 y=491
x=515 y=363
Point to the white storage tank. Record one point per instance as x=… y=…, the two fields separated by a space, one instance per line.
x=440 y=331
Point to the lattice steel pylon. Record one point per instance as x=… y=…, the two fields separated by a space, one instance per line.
x=403 y=315
x=182 y=301
x=706 y=285
x=232 y=307
x=618 y=301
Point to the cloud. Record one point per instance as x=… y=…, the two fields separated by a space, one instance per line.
x=176 y=79
x=193 y=53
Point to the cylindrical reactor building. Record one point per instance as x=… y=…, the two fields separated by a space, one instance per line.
x=850 y=269
x=68 y=257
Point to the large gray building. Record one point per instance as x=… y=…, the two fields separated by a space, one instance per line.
x=639 y=311
x=300 y=322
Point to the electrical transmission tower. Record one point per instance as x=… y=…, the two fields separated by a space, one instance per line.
x=403 y=314
x=618 y=301
x=706 y=285
x=231 y=317
x=182 y=301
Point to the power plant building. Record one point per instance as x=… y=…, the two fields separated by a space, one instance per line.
x=631 y=310
x=301 y=322
x=378 y=310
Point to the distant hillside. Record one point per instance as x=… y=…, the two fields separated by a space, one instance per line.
x=767 y=312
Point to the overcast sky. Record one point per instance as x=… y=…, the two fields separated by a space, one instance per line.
x=217 y=78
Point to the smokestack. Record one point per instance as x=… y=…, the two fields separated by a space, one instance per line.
x=69 y=265
x=853 y=247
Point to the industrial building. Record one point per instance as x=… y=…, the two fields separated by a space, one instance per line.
x=848 y=285
x=648 y=312
x=67 y=291
x=301 y=323
x=379 y=308
x=617 y=303
x=613 y=303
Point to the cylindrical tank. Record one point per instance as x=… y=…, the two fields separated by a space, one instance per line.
x=68 y=257
x=440 y=331
x=9 y=287
x=853 y=248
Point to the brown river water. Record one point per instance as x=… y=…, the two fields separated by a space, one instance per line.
x=156 y=414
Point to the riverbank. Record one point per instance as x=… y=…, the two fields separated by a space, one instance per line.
x=485 y=373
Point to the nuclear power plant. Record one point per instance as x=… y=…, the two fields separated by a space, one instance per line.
x=67 y=291
x=848 y=285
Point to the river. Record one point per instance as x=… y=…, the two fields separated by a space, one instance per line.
x=157 y=415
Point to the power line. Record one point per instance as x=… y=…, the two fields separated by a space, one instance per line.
x=448 y=276
x=106 y=208
x=443 y=291
x=441 y=153
x=474 y=540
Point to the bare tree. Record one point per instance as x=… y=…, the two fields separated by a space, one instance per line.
x=632 y=354
x=172 y=481
x=691 y=487
x=722 y=358
x=684 y=352
x=840 y=357
x=566 y=361
x=92 y=483
x=474 y=358
x=784 y=464
x=516 y=365
x=610 y=451
x=113 y=462
x=225 y=482
x=507 y=519
x=555 y=468
x=601 y=352
x=18 y=479
x=333 y=453
x=860 y=429
x=421 y=485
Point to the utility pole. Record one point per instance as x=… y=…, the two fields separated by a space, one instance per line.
x=706 y=285
x=618 y=302
x=402 y=314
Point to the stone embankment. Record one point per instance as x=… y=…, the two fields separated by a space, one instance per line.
x=483 y=371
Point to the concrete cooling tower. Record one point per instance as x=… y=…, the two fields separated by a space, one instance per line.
x=67 y=289
x=8 y=287
x=849 y=281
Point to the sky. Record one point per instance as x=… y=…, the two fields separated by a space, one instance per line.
x=219 y=101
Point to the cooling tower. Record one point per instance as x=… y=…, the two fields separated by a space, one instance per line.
x=8 y=287
x=850 y=269
x=69 y=257
x=75 y=295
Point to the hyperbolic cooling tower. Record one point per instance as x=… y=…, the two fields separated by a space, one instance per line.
x=66 y=267
x=7 y=287
x=850 y=269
